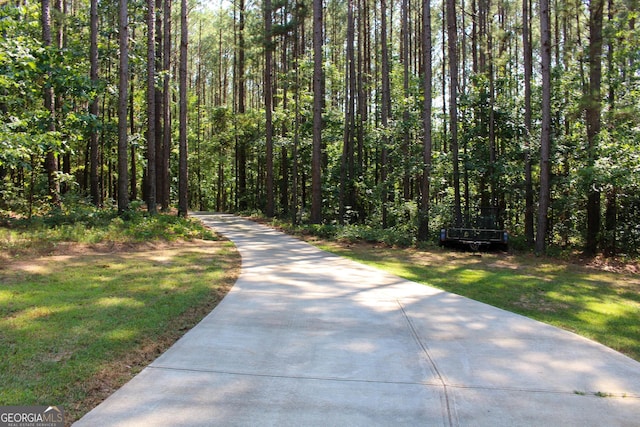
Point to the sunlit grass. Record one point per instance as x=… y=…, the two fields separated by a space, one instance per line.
x=71 y=316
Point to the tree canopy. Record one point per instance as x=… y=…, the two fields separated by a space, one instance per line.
x=318 y=111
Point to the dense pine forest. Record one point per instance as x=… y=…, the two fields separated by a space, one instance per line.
x=401 y=115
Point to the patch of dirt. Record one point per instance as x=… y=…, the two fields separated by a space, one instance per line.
x=32 y=262
x=539 y=303
x=8 y=259
x=507 y=264
x=614 y=265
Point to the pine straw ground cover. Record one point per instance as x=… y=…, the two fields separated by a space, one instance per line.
x=78 y=322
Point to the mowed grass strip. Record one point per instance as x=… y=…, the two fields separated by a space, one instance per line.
x=76 y=326
x=600 y=305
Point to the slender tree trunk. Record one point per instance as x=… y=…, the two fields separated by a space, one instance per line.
x=133 y=173
x=199 y=96
x=268 y=105
x=151 y=107
x=443 y=74
x=423 y=230
x=406 y=176
x=611 y=222
x=219 y=95
x=386 y=111
x=364 y=79
x=94 y=178
x=166 y=107
x=611 y=209
x=492 y=128
x=351 y=173
x=545 y=137
x=64 y=158
x=242 y=144
x=346 y=181
x=183 y=178
x=593 y=120
x=452 y=35
x=528 y=72
x=318 y=95
x=284 y=152
x=123 y=179
x=159 y=98
x=296 y=132
x=51 y=163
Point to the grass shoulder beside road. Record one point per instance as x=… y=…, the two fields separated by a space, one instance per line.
x=585 y=299
x=81 y=319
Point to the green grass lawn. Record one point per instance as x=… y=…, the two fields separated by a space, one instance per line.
x=78 y=322
x=85 y=305
x=601 y=305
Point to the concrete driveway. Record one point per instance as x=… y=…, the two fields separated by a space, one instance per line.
x=306 y=338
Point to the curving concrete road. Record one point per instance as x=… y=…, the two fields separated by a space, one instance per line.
x=306 y=338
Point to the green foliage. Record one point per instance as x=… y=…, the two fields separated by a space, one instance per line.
x=492 y=138
x=140 y=227
x=82 y=222
x=395 y=236
x=27 y=68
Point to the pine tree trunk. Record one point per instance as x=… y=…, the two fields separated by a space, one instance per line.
x=347 y=162
x=241 y=82
x=611 y=209
x=199 y=95
x=364 y=70
x=94 y=178
x=296 y=132
x=452 y=35
x=385 y=113
x=318 y=95
x=159 y=98
x=51 y=163
x=133 y=174
x=183 y=177
x=545 y=137
x=528 y=72
x=123 y=91
x=166 y=108
x=593 y=120
x=423 y=229
x=268 y=106
x=405 y=49
x=151 y=107
x=284 y=152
